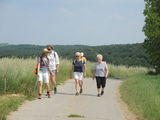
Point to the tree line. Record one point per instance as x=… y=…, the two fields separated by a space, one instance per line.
x=127 y=54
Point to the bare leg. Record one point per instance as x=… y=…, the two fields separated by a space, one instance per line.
x=102 y=89
x=48 y=90
x=98 y=90
x=52 y=78
x=81 y=84
x=48 y=87
x=76 y=85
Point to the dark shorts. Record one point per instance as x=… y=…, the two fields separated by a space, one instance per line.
x=101 y=82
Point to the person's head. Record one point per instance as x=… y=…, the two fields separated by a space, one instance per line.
x=45 y=52
x=82 y=54
x=77 y=55
x=50 y=48
x=99 y=58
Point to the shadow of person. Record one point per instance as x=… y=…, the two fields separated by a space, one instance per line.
x=61 y=93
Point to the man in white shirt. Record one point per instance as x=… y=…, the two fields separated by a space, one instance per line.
x=54 y=65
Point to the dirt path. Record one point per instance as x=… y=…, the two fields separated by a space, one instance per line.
x=66 y=103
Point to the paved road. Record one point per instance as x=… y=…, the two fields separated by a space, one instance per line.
x=65 y=103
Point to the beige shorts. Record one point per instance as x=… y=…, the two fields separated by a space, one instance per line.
x=53 y=72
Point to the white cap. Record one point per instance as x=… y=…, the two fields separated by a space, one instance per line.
x=82 y=54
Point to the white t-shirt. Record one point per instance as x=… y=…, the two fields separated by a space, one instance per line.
x=100 y=69
x=53 y=60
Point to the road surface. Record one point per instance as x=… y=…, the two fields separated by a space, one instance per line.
x=65 y=103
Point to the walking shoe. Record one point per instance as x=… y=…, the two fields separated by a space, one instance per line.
x=55 y=90
x=99 y=95
x=102 y=92
x=48 y=94
x=39 y=96
x=81 y=91
x=77 y=94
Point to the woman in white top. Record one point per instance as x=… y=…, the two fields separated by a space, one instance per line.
x=100 y=73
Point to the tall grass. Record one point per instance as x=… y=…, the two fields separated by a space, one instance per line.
x=17 y=77
x=20 y=78
x=65 y=71
x=117 y=71
x=124 y=71
x=142 y=93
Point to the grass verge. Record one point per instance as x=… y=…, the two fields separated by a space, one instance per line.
x=141 y=92
x=9 y=103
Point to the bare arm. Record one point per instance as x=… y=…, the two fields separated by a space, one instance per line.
x=57 y=62
x=106 y=71
x=38 y=64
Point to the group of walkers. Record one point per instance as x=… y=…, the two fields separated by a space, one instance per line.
x=48 y=67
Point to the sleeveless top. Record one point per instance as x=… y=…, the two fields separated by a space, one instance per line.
x=44 y=64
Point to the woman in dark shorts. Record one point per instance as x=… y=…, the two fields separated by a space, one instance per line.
x=100 y=73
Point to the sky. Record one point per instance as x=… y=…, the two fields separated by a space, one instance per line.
x=70 y=22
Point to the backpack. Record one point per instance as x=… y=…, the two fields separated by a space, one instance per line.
x=36 y=69
x=84 y=59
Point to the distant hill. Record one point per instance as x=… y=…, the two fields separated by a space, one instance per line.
x=4 y=44
x=127 y=54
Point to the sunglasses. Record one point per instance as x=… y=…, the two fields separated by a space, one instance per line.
x=77 y=56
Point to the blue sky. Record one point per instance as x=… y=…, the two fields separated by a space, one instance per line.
x=89 y=22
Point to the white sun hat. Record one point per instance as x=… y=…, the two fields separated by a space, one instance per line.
x=45 y=50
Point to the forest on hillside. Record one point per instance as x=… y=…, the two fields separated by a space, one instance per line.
x=125 y=54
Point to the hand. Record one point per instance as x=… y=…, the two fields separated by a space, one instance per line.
x=37 y=74
x=93 y=77
x=57 y=71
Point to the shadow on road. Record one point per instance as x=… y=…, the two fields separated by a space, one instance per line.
x=74 y=94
